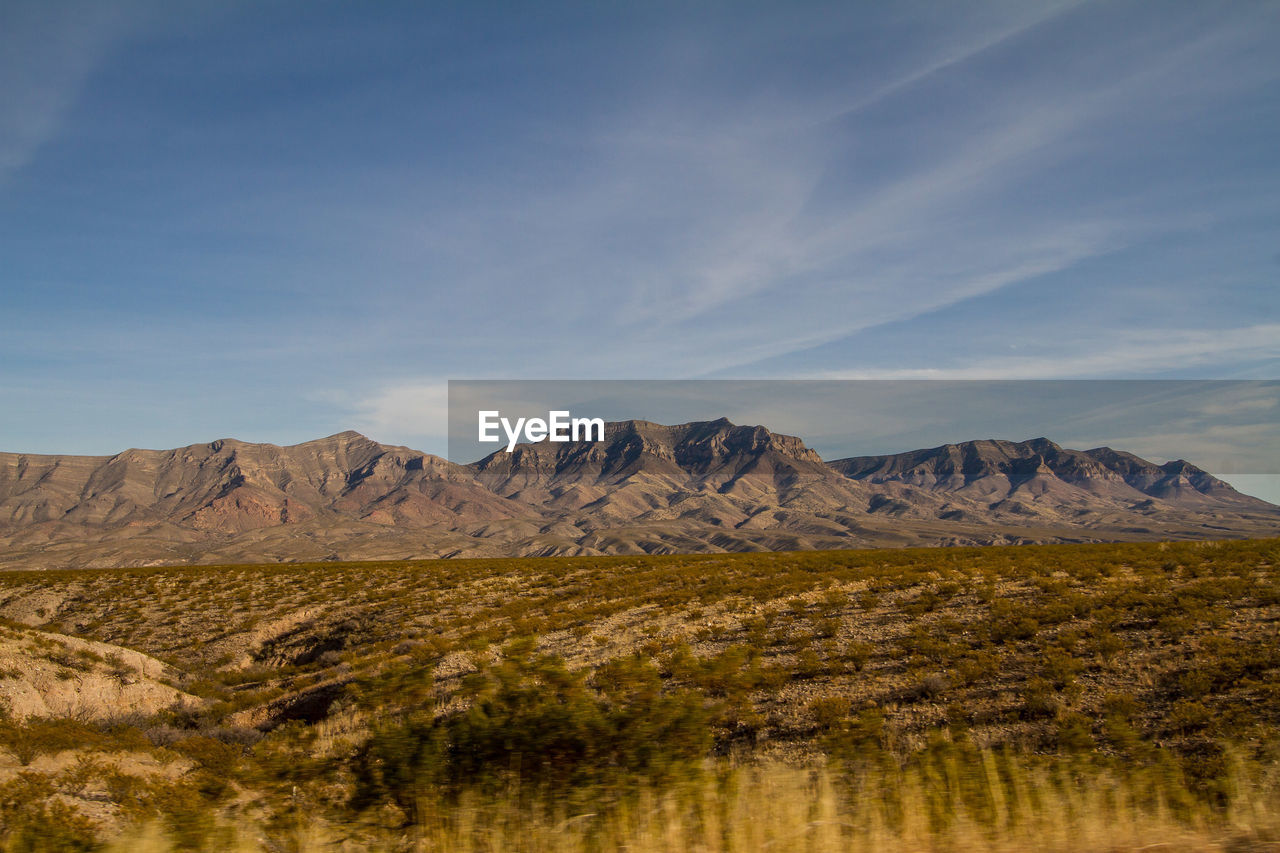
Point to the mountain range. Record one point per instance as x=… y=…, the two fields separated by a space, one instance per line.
x=695 y=487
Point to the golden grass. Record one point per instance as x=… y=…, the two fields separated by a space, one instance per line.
x=784 y=809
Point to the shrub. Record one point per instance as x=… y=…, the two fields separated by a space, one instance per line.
x=31 y=820
x=533 y=721
x=1187 y=716
x=1038 y=701
x=857 y=740
x=931 y=686
x=976 y=667
x=1074 y=733
x=826 y=711
x=857 y=654
x=1060 y=668
x=1009 y=621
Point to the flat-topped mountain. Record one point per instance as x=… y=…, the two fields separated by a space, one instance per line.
x=702 y=486
x=664 y=463
x=707 y=485
x=700 y=450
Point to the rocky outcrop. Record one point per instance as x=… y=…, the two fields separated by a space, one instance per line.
x=647 y=488
x=44 y=674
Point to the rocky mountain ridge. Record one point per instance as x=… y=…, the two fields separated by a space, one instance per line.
x=702 y=486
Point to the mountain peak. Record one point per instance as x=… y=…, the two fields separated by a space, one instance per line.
x=338 y=439
x=690 y=455
x=703 y=485
x=995 y=470
x=347 y=436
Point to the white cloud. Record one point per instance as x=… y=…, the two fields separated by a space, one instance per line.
x=406 y=413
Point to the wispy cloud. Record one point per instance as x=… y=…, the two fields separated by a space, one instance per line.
x=937 y=230
x=1139 y=352
x=45 y=61
x=1027 y=17
x=700 y=243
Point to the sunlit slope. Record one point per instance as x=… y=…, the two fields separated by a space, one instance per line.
x=691 y=488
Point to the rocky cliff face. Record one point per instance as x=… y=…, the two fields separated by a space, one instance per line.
x=700 y=486
x=1000 y=470
x=230 y=489
x=688 y=457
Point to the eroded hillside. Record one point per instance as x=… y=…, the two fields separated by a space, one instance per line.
x=702 y=487
x=1150 y=655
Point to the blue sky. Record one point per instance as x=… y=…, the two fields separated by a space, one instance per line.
x=276 y=221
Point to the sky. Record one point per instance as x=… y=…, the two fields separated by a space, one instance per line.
x=276 y=221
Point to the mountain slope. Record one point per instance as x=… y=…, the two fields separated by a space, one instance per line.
x=282 y=501
x=699 y=486
x=644 y=466
x=1038 y=468
x=702 y=486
